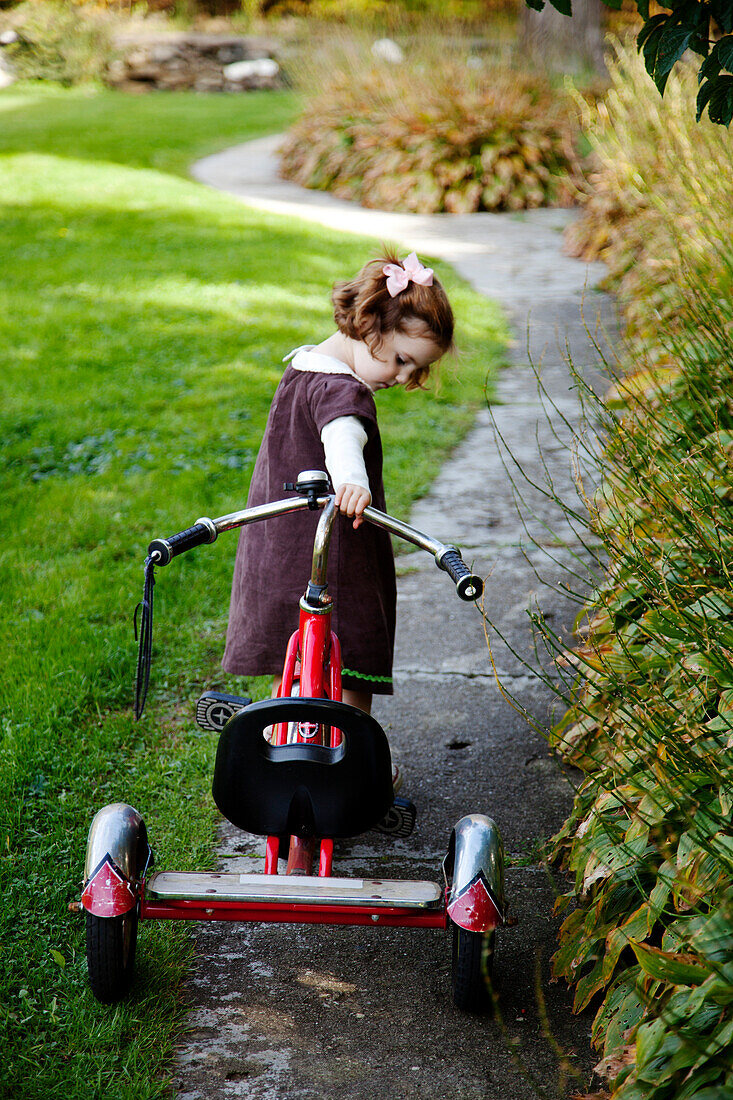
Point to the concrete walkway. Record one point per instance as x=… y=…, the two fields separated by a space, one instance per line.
x=366 y=1013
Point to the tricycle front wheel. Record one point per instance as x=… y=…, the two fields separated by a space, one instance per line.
x=111 y=943
x=473 y=960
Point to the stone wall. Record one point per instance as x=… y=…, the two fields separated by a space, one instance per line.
x=202 y=62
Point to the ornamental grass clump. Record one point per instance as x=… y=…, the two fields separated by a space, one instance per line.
x=66 y=43
x=433 y=133
x=660 y=196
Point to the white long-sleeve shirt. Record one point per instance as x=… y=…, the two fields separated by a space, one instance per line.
x=343 y=441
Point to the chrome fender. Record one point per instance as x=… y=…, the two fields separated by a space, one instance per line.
x=118 y=854
x=474 y=874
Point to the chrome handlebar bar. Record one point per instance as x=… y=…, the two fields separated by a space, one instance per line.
x=468 y=585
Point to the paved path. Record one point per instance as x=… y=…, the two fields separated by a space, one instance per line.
x=308 y=1013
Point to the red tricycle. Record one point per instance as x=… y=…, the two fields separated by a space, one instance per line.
x=303 y=770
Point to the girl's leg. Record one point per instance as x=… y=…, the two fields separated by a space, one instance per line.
x=360 y=699
x=363 y=700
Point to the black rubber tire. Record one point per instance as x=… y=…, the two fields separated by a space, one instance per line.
x=473 y=961
x=111 y=943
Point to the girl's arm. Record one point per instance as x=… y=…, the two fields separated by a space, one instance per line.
x=343 y=443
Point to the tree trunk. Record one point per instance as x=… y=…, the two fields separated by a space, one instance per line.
x=564 y=43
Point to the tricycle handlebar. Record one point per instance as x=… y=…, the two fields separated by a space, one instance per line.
x=309 y=485
x=161 y=551
x=469 y=586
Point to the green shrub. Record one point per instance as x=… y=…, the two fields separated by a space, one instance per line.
x=386 y=11
x=62 y=42
x=440 y=131
x=649 y=840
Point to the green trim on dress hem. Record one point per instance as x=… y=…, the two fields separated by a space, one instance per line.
x=366 y=676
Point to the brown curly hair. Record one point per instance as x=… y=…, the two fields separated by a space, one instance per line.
x=364 y=310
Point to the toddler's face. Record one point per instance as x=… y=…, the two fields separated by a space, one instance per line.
x=400 y=354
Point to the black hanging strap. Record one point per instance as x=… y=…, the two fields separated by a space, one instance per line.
x=144 y=639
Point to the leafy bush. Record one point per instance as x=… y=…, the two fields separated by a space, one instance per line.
x=649 y=840
x=433 y=133
x=61 y=42
x=649 y=837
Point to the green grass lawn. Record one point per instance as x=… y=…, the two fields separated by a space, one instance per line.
x=161 y=130
x=143 y=323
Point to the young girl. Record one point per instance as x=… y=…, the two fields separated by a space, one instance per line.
x=393 y=322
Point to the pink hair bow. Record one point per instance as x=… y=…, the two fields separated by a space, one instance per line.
x=399 y=275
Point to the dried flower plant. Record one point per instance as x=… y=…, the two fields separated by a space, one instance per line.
x=444 y=130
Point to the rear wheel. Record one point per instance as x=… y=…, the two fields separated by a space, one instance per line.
x=473 y=961
x=111 y=943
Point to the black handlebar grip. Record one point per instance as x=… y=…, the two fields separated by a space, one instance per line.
x=169 y=548
x=468 y=585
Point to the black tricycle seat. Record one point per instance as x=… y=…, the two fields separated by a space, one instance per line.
x=303 y=790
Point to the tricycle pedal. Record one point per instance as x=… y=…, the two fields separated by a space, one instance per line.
x=213 y=710
x=399 y=819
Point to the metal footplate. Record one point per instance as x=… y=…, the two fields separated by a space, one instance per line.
x=399 y=819
x=214 y=709
x=173 y=886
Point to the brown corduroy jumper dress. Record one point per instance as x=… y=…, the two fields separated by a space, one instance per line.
x=273 y=559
